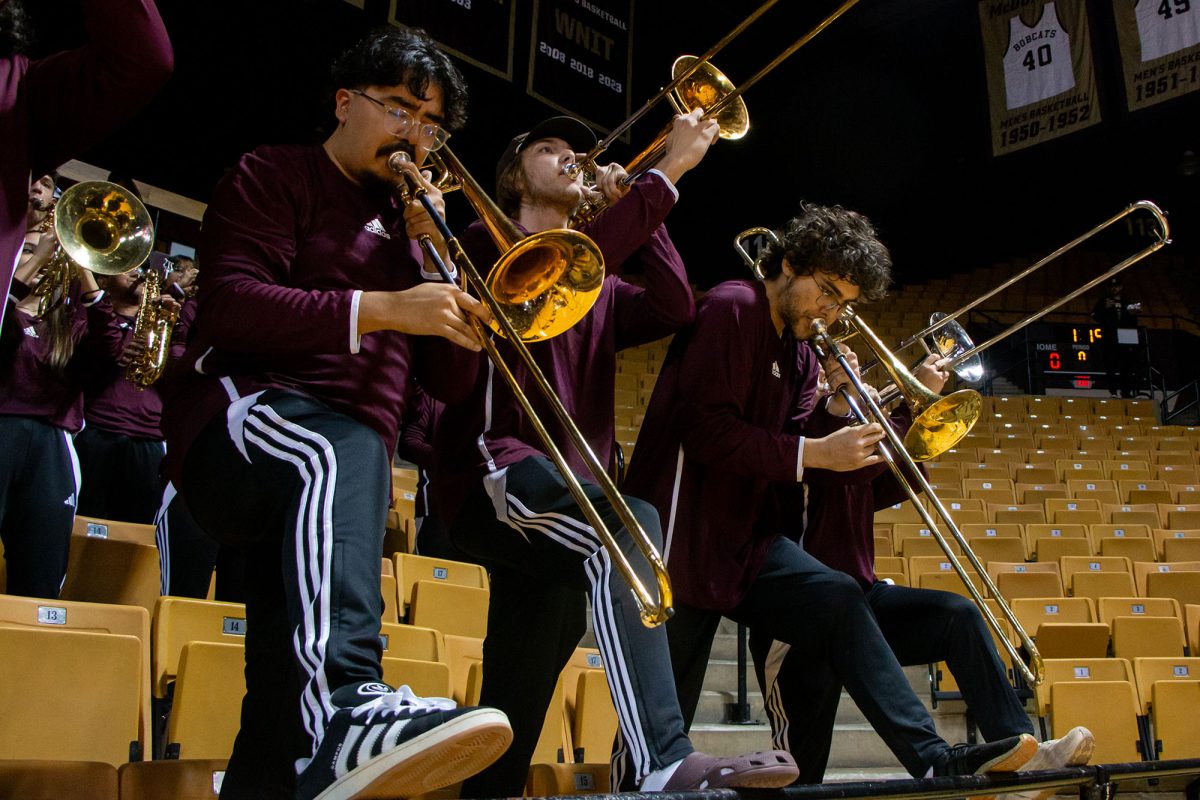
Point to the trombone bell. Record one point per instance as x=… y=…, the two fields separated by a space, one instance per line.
x=547 y=282
x=103 y=228
x=943 y=424
x=706 y=87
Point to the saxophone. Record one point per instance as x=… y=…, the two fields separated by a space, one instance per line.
x=152 y=326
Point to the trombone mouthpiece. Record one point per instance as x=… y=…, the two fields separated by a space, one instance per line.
x=397 y=160
x=571 y=169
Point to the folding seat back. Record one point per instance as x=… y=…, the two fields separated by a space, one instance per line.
x=1016 y=513
x=1102 y=584
x=32 y=612
x=413 y=568
x=424 y=678
x=1176 y=708
x=102 y=570
x=1127 y=485
x=1184 y=494
x=449 y=608
x=900 y=513
x=179 y=620
x=562 y=780
x=1061 y=670
x=1135 y=637
x=1183 y=586
x=1038 y=475
x=206 y=711
x=883 y=546
x=198 y=779
x=1076 y=517
x=1015 y=579
x=1181 y=549
x=951 y=582
x=1112 y=607
x=1078 y=468
x=981 y=470
x=589 y=707
x=1063 y=627
x=1122 y=469
x=1070 y=566
x=1103 y=491
x=462 y=655
x=1149 y=671
x=891 y=564
x=554 y=742
x=1039 y=493
x=1160 y=535
x=1142 y=570
x=1055 y=505
x=1037 y=532
x=91 y=709
x=1004 y=548
x=51 y=780
x=1107 y=708
x=411 y=641
x=1139 y=548
x=1147 y=496
x=1052 y=550
x=1191 y=623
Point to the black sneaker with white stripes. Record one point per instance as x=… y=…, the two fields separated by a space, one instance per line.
x=399 y=745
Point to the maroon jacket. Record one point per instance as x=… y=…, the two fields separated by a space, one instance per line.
x=110 y=402
x=288 y=244
x=57 y=107
x=491 y=431
x=722 y=426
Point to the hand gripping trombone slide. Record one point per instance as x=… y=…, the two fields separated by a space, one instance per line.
x=569 y=247
x=892 y=450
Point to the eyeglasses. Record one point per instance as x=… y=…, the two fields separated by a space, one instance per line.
x=828 y=291
x=400 y=121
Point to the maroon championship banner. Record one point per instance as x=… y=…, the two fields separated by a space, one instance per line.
x=479 y=32
x=581 y=59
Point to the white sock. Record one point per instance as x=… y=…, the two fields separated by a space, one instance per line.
x=655 y=781
x=928 y=773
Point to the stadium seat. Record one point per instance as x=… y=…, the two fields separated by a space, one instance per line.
x=936 y=572
x=1032 y=474
x=1126 y=486
x=464 y=656
x=1181 y=549
x=901 y=512
x=1063 y=627
x=1054 y=549
x=425 y=678
x=891 y=564
x=171 y=780
x=1039 y=493
x=975 y=530
x=1142 y=571
x=412 y=568
x=883 y=546
x=1149 y=671
x=1112 y=607
x=554 y=744
x=589 y=707
x=1176 y=707
x=410 y=641
x=1036 y=532
x=1132 y=549
x=388 y=590
x=69 y=695
x=53 y=780
x=1144 y=496
x=179 y=620
x=450 y=608
x=1004 y=548
x=31 y=612
x=1191 y=624
x=560 y=780
x=1183 y=584
x=1137 y=637
x=1026 y=580
x=1107 y=708
x=1079 y=669
x=1070 y=566
x=207 y=704
x=1102 y=584
x=1160 y=535
x=101 y=570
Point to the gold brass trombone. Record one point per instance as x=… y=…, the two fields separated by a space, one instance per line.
x=542 y=284
x=894 y=453
x=695 y=83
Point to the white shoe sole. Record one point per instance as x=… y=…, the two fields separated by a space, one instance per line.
x=442 y=756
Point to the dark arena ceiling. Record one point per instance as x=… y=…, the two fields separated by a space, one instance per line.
x=885 y=112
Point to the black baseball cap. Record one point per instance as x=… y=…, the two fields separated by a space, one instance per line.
x=576 y=134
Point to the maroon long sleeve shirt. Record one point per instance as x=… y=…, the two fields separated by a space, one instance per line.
x=288 y=244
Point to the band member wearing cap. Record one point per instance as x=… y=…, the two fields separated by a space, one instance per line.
x=313 y=314
x=510 y=508
x=732 y=415
x=921 y=626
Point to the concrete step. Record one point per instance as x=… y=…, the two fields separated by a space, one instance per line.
x=722 y=676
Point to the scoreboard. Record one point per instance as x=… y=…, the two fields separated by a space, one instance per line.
x=1066 y=356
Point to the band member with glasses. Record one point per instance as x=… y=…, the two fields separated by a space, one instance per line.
x=315 y=312
x=732 y=416
x=508 y=507
x=921 y=626
x=125 y=62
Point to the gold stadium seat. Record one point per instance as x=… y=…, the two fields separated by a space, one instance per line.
x=554 y=744
x=1160 y=536
x=179 y=620
x=101 y=570
x=51 y=780
x=899 y=513
x=1041 y=579
x=450 y=608
x=1102 y=584
x=1191 y=623
x=1052 y=550
x=1143 y=496
x=1001 y=548
x=207 y=704
x=1016 y=513
x=413 y=568
x=1032 y=473
x=1107 y=708
x=411 y=641
x=1149 y=671
x=1137 y=548
x=936 y=572
x=1064 y=627
x=1078 y=468
x=1184 y=493
x=1059 y=670
x=1070 y=566
x=1138 y=636
x=464 y=655
x=1036 y=533
x=1177 y=475
x=561 y=780
x=891 y=564
x=1103 y=491
x=1182 y=582
x=1180 y=515
x=1176 y=709
x=1039 y=493
x=1126 y=486
x=171 y=780
x=34 y=613
x=883 y=546
x=1113 y=607
x=589 y=707
x=69 y=695
x=425 y=678
x=1143 y=570
x=1128 y=470
x=1181 y=549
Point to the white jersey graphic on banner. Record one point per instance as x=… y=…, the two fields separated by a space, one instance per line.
x=1037 y=63
x=1166 y=26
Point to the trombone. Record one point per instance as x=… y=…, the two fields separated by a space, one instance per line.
x=695 y=83
x=895 y=453
x=542 y=285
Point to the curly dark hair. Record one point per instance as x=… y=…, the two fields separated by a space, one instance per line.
x=395 y=55
x=834 y=240
x=15 y=34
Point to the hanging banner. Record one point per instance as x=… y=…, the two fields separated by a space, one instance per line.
x=1160 y=49
x=580 y=58
x=479 y=32
x=1041 y=82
